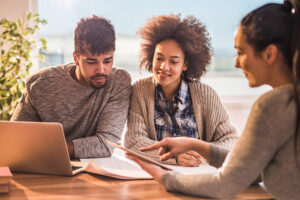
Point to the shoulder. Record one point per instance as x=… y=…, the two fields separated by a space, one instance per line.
x=274 y=99
x=201 y=87
x=144 y=83
x=202 y=91
x=120 y=76
x=144 y=89
x=48 y=74
x=119 y=82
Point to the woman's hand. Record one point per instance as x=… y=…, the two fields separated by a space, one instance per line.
x=155 y=171
x=189 y=159
x=172 y=147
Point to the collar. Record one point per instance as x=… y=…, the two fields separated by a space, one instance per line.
x=180 y=96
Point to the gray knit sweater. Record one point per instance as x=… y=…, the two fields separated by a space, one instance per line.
x=266 y=146
x=89 y=116
x=212 y=120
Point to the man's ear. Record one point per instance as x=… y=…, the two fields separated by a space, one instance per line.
x=270 y=54
x=75 y=58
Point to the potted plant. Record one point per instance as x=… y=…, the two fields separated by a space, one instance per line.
x=17 y=43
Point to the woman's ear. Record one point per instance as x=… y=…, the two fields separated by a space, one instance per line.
x=185 y=66
x=270 y=54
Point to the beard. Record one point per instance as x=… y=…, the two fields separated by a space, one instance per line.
x=98 y=85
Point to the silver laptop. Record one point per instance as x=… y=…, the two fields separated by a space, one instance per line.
x=35 y=147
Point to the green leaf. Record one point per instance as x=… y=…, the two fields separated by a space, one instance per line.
x=28 y=16
x=16 y=60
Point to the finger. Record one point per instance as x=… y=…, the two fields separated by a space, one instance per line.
x=187 y=160
x=131 y=157
x=166 y=156
x=189 y=163
x=151 y=147
x=162 y=151
x=193 y=153
x=186 y=163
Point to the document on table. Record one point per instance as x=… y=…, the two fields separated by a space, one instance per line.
x=118 y=166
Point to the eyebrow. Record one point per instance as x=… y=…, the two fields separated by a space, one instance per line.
x=109 y=58
x=237 y=47
x=94 y=59
x=91 y=59
x=171 y=56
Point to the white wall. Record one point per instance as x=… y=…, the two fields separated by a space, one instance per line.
x=13 y=9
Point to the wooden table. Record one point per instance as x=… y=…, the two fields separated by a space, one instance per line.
x=89 y=186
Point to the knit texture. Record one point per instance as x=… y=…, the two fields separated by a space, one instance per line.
x=89 y=116
x=266 y=145
x=212 y=120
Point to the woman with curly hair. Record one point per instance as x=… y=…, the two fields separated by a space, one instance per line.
x=174 y=102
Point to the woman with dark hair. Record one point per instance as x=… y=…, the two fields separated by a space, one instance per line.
x=173 y=102
x=267 y=42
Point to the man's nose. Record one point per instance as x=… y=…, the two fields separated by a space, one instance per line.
x=100 y=68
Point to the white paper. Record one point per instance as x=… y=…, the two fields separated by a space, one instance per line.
x=118 y=166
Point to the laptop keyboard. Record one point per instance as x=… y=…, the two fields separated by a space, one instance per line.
x=75 y=167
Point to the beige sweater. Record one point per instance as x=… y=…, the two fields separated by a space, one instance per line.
x=212 y=120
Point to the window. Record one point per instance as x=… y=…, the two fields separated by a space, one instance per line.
x=220 y=17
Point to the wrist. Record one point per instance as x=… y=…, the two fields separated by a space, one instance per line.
x=71 y=150
x=201 y=147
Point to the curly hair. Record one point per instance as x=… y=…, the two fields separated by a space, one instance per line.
x=95 y=34
x=190 y=34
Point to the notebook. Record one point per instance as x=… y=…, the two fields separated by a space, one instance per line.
x=5 y=176
x=35 y=147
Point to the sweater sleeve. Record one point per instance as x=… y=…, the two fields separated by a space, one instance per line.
x=249 y=157
x=26 y=111
x=218 y=128
x=138 y=130
x=110 y=123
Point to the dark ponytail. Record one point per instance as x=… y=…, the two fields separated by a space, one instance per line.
x=261 y=31
x=295 y=48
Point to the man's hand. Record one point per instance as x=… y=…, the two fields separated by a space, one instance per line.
x=71 y=150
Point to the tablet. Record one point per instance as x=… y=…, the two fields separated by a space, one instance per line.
x=138 y=155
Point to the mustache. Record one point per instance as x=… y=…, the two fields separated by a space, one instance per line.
x=99 y=75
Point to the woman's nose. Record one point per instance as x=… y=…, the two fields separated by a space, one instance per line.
x=237 y=63
x=164 y=66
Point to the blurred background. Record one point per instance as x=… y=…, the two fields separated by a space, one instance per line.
x=220 y=17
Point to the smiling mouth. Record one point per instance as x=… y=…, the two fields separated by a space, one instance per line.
x=163 y=75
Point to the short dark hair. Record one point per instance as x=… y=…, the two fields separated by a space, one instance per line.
x=95 y=34
x=190 y=34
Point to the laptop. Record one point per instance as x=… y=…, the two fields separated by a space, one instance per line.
x=35 y=147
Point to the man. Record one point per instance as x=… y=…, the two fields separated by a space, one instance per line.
x=89 y=97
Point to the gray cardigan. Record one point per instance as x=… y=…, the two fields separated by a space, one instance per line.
x=266 y=146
